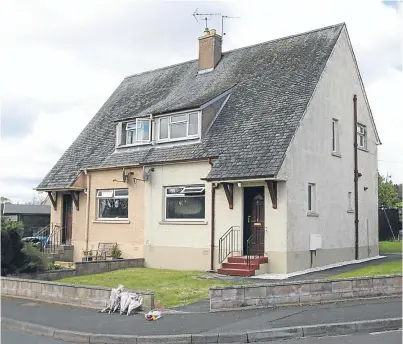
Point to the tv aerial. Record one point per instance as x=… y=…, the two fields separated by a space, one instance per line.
x=206 y=15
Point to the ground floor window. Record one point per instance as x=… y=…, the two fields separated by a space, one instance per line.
x=185 y=202
x=113 y=204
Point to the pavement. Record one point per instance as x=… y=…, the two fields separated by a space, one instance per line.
x=387 y=337
x=90 y=321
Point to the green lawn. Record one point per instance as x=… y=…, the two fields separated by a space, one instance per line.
x=390 y=247
x=171 y=287
x=389 y=268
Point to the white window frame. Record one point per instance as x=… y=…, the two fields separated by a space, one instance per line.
x=112 y=192
x=362 y=132
x=335 y=136
x=137 y=142
x=312 y=207
x=187 y=189
x=187 y=137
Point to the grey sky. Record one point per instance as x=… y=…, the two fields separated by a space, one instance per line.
x=61 y=61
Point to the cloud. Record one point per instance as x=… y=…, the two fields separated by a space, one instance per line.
x=61 y=60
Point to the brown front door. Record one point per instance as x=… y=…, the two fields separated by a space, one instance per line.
x=67 y=219
x=254 y=228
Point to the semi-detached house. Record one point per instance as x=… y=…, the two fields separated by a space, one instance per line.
x=246 y=152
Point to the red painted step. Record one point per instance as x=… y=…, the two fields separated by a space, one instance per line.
x=241 y=266
x=243 y=259
x=236 y=272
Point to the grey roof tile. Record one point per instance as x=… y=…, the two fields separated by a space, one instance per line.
x=273 y=84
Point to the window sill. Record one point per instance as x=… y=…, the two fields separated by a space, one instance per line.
x=183 y=222
x=338 y=155
x=362 y=149
x=111 y=221
x=312 y=214
x=350 y=211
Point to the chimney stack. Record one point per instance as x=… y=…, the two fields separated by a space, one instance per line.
x=209 y=50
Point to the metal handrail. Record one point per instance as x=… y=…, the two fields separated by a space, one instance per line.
x=42 y=231
x=228 y=243
x=252 y=240
x=54 y=239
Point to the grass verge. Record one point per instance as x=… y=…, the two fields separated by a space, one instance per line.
x=390 y=247
x=172 y=288
x=389 y=268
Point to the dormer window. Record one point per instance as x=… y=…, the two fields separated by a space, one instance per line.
x=178 y=127
x=136 y=132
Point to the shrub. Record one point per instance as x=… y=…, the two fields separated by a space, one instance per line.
x=12 y=257
x=35 y=261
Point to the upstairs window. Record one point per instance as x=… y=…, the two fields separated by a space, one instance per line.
x=185 y=203
x=361 y=136
x=113 y=204
x=133 y=133
x=178 y=127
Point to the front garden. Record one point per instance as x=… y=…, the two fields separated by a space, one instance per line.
x=389 y=268
x=390 y=247
x=172 y=288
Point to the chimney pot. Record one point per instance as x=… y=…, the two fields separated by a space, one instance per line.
x=210 y=45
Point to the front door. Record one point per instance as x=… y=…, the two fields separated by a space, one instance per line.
x=67 y=219
x=254 y=228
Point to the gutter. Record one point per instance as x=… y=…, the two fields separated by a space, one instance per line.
x=87 y=209
x=212 y=228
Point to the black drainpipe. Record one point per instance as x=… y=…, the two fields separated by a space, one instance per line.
x=356 y=175
x=213 y=187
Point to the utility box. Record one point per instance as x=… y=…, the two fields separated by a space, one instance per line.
x=315 y=242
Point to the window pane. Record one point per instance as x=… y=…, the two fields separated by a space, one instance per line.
x=110 y=208
x=121 y=192
x=105 y=193
x=163 y=128
x=178 y=118
x=193 y=124
x=171 y=191
x=130 y=136
x=143 y=130
x=185 y=207
x=131 y=126
x=178 y=130
x=309 y=197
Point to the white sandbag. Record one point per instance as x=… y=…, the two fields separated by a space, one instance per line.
x=135 y=303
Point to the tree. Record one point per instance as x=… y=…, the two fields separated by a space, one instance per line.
x=38 y=198
x=4 y=200
x=387 y=194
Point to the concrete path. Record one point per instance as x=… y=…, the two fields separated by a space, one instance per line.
x=390 y=257
x=85 y=320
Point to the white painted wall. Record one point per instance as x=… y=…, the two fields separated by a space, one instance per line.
x=309 y=159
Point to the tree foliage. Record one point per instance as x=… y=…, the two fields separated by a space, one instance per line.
x=387 y=193
x=17 y=257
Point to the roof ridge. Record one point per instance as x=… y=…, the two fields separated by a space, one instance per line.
x=237 y=49
x=286 y=37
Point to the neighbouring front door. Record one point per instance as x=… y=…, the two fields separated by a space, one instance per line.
x=67 y=219
x=254 y=228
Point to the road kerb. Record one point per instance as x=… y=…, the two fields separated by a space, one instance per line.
x=241 y=337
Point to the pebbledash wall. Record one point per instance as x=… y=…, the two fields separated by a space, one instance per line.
x=310 y=160
x=129 y=234
x=71 y=294
x=303 y=292
x=185 y=245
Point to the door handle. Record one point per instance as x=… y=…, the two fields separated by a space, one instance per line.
x=249 y=217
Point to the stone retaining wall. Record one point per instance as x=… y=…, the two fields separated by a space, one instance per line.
x=71 y=294
x=85 y=268
x=303 y=292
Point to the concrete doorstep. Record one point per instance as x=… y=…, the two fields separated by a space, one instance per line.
x=230 y=337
